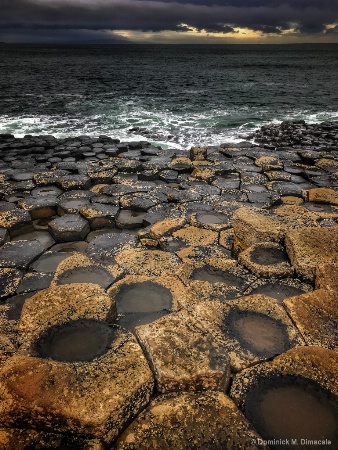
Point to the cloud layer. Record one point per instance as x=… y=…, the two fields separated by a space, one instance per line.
x=212 y=16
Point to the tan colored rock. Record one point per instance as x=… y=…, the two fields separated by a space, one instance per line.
x=269 y=163
x=60 y=304
x=309 y=247
x=7 y=348
x=147 y=262
x=214 y=279
x=327 y=276
x=91 y=399
x=316 y=316
x=183 y=356
x=323 y=195
x=20 y=439
x=190 y=421
x=203 y=174
x=292 y=397
x=226 y=239
x=202 y=252
x=10 y=279
x=181 y=164
x=266 y=259
x=195 y=236
x=198 y=153
x=17 y=221
x=77 y=261
x=159 y=229
x=252 y=225
x=326 y=162
x=290 y=200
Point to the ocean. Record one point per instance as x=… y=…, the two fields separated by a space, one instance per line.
x=173 y=95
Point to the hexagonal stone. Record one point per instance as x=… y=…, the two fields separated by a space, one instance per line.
x=70 y=227
x=211 y=220
x=292 y=397
x=316 y=316
x=71 y=182
x=309 y=247
x=59 y=304
x=40 y=207
x=208 y=420
x=138 y=201
x=16 y=221
x=71 y=205
x=83 y=378
x=141 y=300
x=147 y=262
x=99 y=216
x=20 y=254
x=42 y=236
x=105 y=248
x=252 y=225
x=78 y=268
x=183 y=356
x=266 y=259
x=49 y=261
x=215 y=279
x=255 y=328
x=323 y=195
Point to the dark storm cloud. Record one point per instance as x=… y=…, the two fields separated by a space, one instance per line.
x=310 y=16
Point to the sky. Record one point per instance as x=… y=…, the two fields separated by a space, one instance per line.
x=169 y=21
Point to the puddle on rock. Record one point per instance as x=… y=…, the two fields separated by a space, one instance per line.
x=268 y=256
x=88 y=274
x=212 y=275
x=144 y=297
x=290 y=407
x=278 y=290
x=79 y=340
x=49 y=262
x=132 y=320
x=260 y=334
x=319 y=207
x=212 y=219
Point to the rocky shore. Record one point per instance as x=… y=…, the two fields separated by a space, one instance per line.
x=161 y=299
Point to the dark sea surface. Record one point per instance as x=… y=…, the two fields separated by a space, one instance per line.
x=180 y=94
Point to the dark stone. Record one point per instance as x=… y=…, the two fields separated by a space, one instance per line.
x=20 y=254
x=104 y=248
x=70 y=227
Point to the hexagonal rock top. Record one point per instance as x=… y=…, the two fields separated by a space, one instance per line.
x=20 y=254
x=316 y=316
x=60 y=304
x=190 y=421
x=184 y=356
x=15 y=220
x=105 y=248
x=9 y=281
x=266 y=259
x=292 y=397
x=309 y=247
x=70 y=227
x=92 y=397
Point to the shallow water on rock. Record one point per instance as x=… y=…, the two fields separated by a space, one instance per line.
x=258 y=333
x=81 y=340
x=291 y=407
x=268 y=256
x=278 y=291
x=213 y=275
x=212 y=219
x=132 y=320
x=143 y=297
x=49 y=262
x=88 y=274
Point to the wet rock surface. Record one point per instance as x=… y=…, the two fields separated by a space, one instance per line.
x=222 y=265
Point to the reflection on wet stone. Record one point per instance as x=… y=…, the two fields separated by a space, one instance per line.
x=259 y=333
x=80 y=340
x=291 y=407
